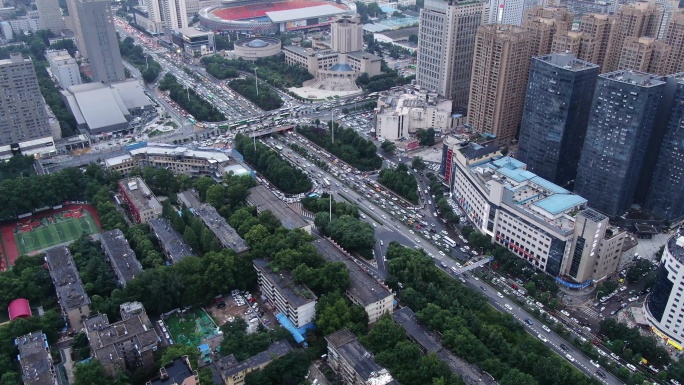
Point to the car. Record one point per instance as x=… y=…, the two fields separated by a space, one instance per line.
x=631 y=367
x=417 y=240
x=509 y=307
x=483 y=288
x=499 y=294
x=615 y=356
x=600 y=374
x=542 y=338
x=570 y=358
x=596 y=364
x=546 y=328
x=539 y=305
x=565 y=313
x=563 y=347
x=375 y=225
x=623 y=288
x=529 y=321
x=601 y=352
x=461 y=279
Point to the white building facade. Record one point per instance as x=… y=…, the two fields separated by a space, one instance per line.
x=402 y=115
x=64 y=68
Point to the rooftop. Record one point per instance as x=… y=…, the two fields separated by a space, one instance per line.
x=189 y=198
x=139 y=194
x=640 y=79
x=228 y=366
x=296 y=295
x=35 y=360
x=363 y=287
x=567 y=61
x=305 y=13
x=60 y=56
x=351 y=350
x=218 y=225
x=407 y=319
x=675 y=246
x=107 y=339
x=265 y=200
x=158 y=149
x=363 y=55
x=174 y=373
x=122 y=257
x=400 y=33
x=476 y=151
x=193 y=32
x=170 y=239
x=68 y=285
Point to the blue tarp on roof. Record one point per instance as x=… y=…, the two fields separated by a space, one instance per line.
x=298 y=334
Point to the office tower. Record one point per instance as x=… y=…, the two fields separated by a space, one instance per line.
x=644 y=54
x=506 y=12
x=171 y=14
x=631 y=20
x=96 y=38
x=545 y=23
x=346 y=34
x=50 y=15
x=501 y=63
x=555 y=115
x=21 y=103
x=446 y=40
x=621 y=125
x=675 y=38
x=665 y=196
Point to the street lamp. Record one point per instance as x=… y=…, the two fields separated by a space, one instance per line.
x=256 y=81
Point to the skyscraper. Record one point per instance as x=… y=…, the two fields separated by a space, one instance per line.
x=501 y=63
x=21 y=103
x=545 y=23
x=665 y=196
x=640 y=19
x=506 y=12
x=346 y=34
x=675 y=38
x=621 y=126
x=555 y=115
x=50 y=15
x=645 y=54
x=96 y=38
x=446 y=41
x=171 y=14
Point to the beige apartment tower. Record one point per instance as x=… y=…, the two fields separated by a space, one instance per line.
x=346 y=34
x=631 y=20
x=645 y=54
x=545 y=23
x=675 y=38
x=446 y=41
x=501 y=64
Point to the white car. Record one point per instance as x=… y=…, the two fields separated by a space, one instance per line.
x=442 y=253
x=542 y=338
x=565 y=313
x=546 y=328
x=508 y=307
x=596 y=364
x=570 y=358
x=499 y=294
x=417 y=240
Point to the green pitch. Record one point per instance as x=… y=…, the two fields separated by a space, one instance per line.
x=54 y=234
x=191 y=328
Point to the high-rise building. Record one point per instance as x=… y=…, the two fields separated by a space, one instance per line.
x=96 y=38
x=675 y=38
x=645 y=54
x=506 y=12
x=667 y=185
x=171 y=14
x=50 y=15
x=22 y=107
x=555 y=115
x=64 y=68
x=545 y=23
x=346 y=34
x=621 y=125
x=596 y=31
x=640 y=19
x=501 y=62
x=446 y=41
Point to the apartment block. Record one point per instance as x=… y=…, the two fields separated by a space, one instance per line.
x=177 y=372
x=120 y=255
x=364 y=290
x=645 y=54
x=171 y=14
x=545 y=23
x=597 y=30
x=446 y=40
x=555 y=115
x=124 y=345
x=35 y=360
x=71 y=295
x=501 y=64
x=172 y=244
x=142 y=204
x=232 y=372
x=264 y=200
x=505 y=12
x=226 y=235
x=296 y=302
x=640 y=19
x=675 y=38
x=50 y=15
x=64 y=68
x=354 y=363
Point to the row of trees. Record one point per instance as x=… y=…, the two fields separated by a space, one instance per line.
x=265 y=98
x=189 y=100
x=284 y=176
x=381 y=82
x=144 y=244
x=471 y=329
x=272 y=70
x=631 y=344
x=349 y=146
x=17 y=166
x=400 y=180
x=436 y=189
x=133 y=53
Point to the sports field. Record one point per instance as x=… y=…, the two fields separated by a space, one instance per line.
x=191 y=327
x=50 y=231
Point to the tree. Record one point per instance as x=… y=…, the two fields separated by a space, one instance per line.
x=178 y=350
x=333 y=313
x=401 y=181
x=413 y=38
x=426 y=137
x=92 y=373
x=418 y=164
x=389 y=147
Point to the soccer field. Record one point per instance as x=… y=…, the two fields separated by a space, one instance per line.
x=44 y=237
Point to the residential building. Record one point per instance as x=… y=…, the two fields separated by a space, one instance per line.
x=619 y=132
x=35 y=360
x=346 y=34
x=22 y=107
x=596 y=249
x=264 y=200
x=446 y=41
x=583 y=7
x=641 y=19
x=177 y=372
x=555 y=115
x=120 y=255
x=171 y=14
x=71 y=295
x=545 y=23
x=103 y=109
x=530 y=216
x=171 y=242
x=354 y=363
x=64 y=68
x=675 y=38
x=231 y=372
x=364 y=290
x=667 y=185
x=645 y=54
x=142 y=204
x=93 y=22
x=50 y=15
x=124 y=345
x=662 y=307
x=226 y=235
x=295 y=301
x=179 y=160
x=505 y=12
x=597 y=31
x=401 y=114
x=189 y=199
x=24 y=24
x=501 y=64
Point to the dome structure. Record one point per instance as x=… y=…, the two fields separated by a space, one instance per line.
x=257 y=43
x=341 y=67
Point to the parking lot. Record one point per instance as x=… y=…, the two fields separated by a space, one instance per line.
x=241 y=304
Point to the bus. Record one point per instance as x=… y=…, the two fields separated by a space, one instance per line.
x=449 y=241
x=284 y=115
x=326 y=182
x=192 y=120
x=277 y=119
x=241 y=122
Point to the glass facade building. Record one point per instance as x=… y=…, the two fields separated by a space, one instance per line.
x=559 y=95
x=621 y=125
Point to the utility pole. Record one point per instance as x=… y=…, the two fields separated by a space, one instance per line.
x=332 y=124
x=256 y=81
x=330 y=202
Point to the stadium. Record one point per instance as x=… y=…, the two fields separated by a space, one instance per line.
x=269 y=17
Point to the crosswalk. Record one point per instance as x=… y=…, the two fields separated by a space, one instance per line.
x=591 y=313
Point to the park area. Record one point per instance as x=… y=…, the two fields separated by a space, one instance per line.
x=191 y=327
x=46 y=229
